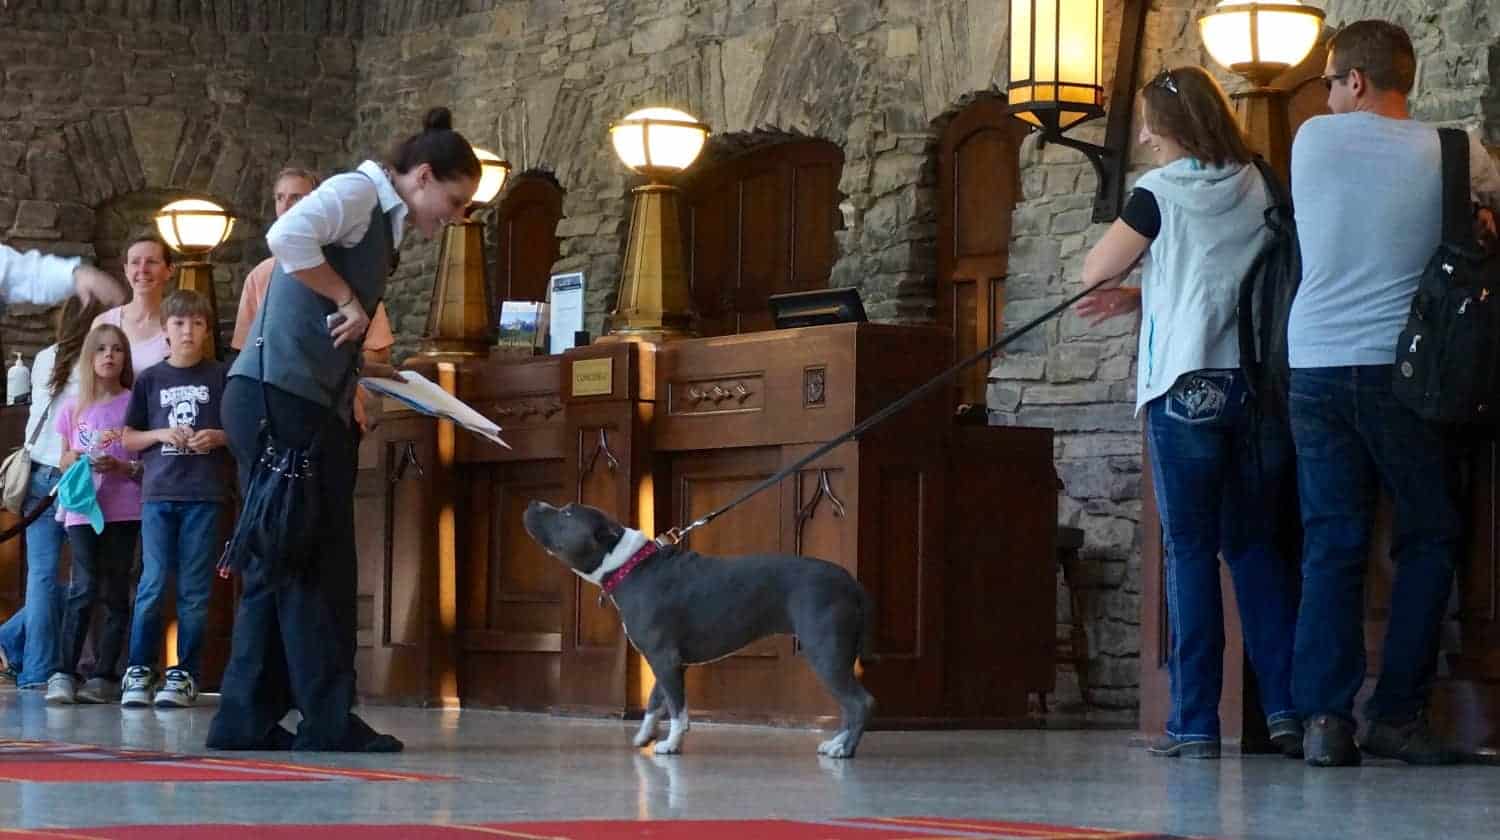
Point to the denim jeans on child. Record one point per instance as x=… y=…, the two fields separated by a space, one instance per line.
x=101 y=575
x=178 y=540
x=32 y=638
x=1349 y=430
x=1218 y=470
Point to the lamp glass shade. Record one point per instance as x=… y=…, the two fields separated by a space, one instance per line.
x=658 y=140
x=1055 y=49
x=193 y=225
x=492 y=174
x=1284 y=32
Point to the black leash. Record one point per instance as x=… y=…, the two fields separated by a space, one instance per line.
x=675 y=535
x=29 y=517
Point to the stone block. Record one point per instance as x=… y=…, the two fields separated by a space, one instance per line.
x=1073 y=361
x=7 y=213
x=901 y=41
x=1081 y=394
x=52 y=176
x=657 y=35
x=1011 y=366
x=36 y=215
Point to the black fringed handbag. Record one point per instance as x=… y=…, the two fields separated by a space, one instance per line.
x=279 y=523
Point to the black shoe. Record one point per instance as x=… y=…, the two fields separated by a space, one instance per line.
x=1329 y=742
x=278 y=738
x=1170 y=746
x=1287 y=735
x=1413 y=742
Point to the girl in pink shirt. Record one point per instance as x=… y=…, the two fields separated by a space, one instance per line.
x=91 y=425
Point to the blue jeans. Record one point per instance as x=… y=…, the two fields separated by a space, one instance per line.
x=1218 y=471
x=1350 y=430
x=179 y=540
x=32 y=638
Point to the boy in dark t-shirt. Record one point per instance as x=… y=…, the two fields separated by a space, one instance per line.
x=173 y=419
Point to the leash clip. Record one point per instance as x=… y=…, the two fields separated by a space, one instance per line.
x=672 y=536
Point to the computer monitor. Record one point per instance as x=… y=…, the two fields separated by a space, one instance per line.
x=816 y=307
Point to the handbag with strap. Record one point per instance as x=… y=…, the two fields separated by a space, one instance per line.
x=15 y=470
x=1448 y=357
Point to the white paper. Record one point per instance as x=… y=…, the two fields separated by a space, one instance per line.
x=423 y=395
x=566 y=295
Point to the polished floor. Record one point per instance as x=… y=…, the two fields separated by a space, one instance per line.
x=522 y=767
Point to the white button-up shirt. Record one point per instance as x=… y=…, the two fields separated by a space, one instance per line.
x=336 y=213
x=34 y=277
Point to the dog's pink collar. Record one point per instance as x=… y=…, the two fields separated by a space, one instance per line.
x=640 y=556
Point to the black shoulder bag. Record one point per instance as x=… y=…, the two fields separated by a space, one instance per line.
x=1448 y=356
x=1265 y=306
x=279 y=523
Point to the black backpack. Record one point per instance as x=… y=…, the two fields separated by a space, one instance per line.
x=1266 y=294
x=1448 y=355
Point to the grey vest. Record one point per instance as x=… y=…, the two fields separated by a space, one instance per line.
x=299 y=354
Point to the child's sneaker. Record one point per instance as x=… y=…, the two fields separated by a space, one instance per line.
x=139 y=685
x=99 y=690
x=178 y=690
x=62 y=689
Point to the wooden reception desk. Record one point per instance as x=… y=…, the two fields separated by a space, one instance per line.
x=950 y=528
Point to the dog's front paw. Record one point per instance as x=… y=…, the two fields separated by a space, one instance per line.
x=643 y=737
x=835 y=747
x=669 y=747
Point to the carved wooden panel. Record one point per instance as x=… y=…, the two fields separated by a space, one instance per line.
x=717 y=394
x=526 y=241
x=892 y=572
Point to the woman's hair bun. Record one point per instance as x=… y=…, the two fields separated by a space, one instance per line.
x=438 y=119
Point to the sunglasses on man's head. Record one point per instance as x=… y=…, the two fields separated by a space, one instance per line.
x=1165 y=81
x=1330 y=78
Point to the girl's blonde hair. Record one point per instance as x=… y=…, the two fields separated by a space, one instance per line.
x=88 y=385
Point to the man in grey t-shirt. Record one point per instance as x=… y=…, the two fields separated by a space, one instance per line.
x=1367 y=189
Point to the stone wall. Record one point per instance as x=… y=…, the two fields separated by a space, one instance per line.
x=540 y=82
x=107 y=113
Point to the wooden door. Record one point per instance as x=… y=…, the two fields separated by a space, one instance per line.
x=526 y=237
x=978 y=185
x=758 y=225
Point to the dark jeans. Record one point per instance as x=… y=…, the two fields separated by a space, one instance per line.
x=1350 y=431
x=294 y=641
x=1218 y=472
x=179 y=540
x=101 y=574
x=32 y=637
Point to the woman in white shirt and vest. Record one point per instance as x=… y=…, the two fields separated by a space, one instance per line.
x=1196 y=222
x=294 y=632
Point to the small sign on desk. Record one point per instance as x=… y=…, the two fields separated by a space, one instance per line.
x=593 y=377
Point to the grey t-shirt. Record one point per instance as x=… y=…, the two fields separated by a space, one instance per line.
x=1368 y=196
x=163 y=397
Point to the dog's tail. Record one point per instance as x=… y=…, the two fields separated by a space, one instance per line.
x=866 y=646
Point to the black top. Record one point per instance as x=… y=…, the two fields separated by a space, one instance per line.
x=1142 y=213
x=165 y=397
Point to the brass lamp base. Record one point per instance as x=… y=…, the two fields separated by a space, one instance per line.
x=655 y=304
x=459 y=322
x=199 y=277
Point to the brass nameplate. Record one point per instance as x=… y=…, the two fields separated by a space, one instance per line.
x=593 y=377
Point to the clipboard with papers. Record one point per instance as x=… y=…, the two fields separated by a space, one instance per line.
x=424 y=396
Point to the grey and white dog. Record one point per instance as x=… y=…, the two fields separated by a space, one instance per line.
x=682 y=608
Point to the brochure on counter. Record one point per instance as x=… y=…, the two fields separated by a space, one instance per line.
x=421 y=394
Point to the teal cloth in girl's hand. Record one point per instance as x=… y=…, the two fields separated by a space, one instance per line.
x=75 y=492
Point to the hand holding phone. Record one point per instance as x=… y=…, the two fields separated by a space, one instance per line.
x=334 y=319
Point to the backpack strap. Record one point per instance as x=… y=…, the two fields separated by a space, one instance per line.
x=1280 y=197
x=1458 y=229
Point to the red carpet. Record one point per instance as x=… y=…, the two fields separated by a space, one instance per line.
x=54 y=762
x=906 y=828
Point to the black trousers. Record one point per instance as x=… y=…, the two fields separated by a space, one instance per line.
x=294 y=641
x=100 y=576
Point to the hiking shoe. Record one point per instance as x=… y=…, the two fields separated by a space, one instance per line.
x=99 y=690
x=1287 y=734
x=178 y=690
x=1329 y=742
x=137 y=688
x=62 y=689
x=1170 y=746
x=1413 y=742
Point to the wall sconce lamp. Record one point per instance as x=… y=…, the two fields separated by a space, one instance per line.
x=1056 y=53
x=460 y=320
x=1260 y=41
x=193 y=228
x=654 y=302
